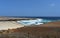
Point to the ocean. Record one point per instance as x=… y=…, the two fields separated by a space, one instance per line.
x=40 y=20
x=48 y=18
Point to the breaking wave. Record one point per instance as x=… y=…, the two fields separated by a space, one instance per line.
x=34 y=22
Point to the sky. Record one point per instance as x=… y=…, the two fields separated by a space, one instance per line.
x=30 y=8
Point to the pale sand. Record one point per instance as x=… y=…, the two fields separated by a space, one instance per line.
x=5 y=25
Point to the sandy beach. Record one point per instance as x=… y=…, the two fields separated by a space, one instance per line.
x=5 y=25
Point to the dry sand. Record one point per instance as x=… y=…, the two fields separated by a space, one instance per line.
x=5 y=25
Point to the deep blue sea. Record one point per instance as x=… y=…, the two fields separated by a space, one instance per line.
x=48 y=18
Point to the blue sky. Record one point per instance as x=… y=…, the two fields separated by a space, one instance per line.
x=29 y=7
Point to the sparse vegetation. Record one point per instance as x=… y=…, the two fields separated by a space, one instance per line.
x=31 y=32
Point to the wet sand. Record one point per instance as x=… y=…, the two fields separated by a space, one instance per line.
x=51 y=24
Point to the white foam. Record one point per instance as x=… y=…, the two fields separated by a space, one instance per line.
x=30 y=22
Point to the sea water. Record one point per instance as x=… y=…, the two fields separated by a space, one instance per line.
x=36 y=21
